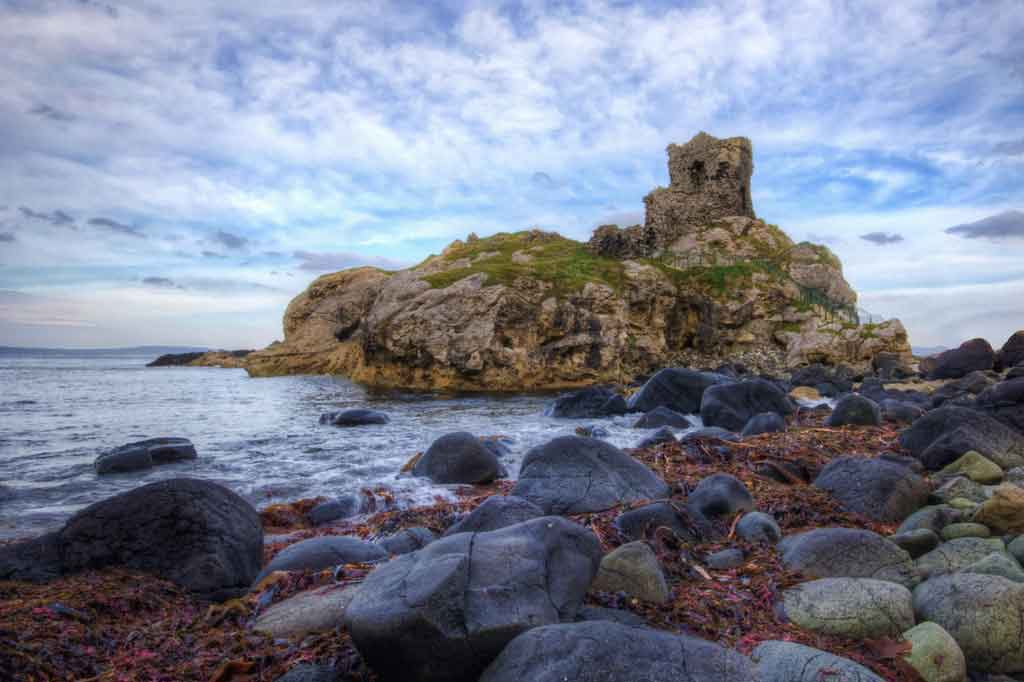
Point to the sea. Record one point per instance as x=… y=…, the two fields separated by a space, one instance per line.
x=260 y=437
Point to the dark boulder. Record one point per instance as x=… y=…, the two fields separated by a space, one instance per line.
x=662 y=435
x=717 y=497
x=890 y=366
x=354 y=417
x=458 y=458
x=197 y=534
x=916 y=542
x=962 y=390
x=573 y=475
x=855 y=410
x=709 y=433
x=601 y=651
x=943 y=435
x=766 y=422
x=847 y=553
x=307 y=672
x=732 y=405
x=818 y=374
x=1012 y=352
x=971 y=356
x=1005 y=402
x=145 y=454
x=338 y=508
x=1015 y=373
x=642 y=522
x=496 y=512
x=596 y=401
x=675 y=388
x=662 y=416
x=725 y=559
x=407 y=540
x=759 y=527
x=445 y=612
x=600 y=613
x=899 y=412
x=879 y=489
x=321 y=553
x=933 y=518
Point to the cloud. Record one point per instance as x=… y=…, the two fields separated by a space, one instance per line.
x=115 y=226
x=230 y=240
x=58 y=217
x=161 y=282
x=1010 y=148
x=1006 y=225
x=46 y=111
x=331 y=262
x=882 y=238
x=212 y=254
x=6 y=237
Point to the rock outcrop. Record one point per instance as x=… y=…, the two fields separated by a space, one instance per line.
x=702 y=279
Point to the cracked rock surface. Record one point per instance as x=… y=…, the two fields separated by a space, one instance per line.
x=446 y=611
x=847 y=552
x=956 y=555
x=850 y=607
x=779 y=661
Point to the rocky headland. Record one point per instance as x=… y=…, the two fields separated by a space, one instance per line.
x=702 y=282
x=231 y=359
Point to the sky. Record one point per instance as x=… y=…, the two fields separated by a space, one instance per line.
x=174 y=173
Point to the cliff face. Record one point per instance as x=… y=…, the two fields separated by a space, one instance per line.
x=702 y=280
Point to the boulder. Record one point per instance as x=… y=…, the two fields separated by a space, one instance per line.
x=596 y=401
x=458 y=458
x=956 y=555
x=573 y=475
x=934 y=518
x=859 y=608
x=601 y=651
x=725 y=559
x=407 y=540
x=1012 y=352
x=675 y=388
x=620 y=616
x=943 y=435
x=983 y=613
x=354 y=417
x=965 y=530
x=1005 y=402
x=847 y=553
x=1004 y=511
x=817 y=374
x=855 y=410
x=806 y=394
x=974 y=466
x=497 y=511
x=195 y=533
x=891 y=366
x=766 y=422
x=998 y=563
x=634 y=570
x=718 y=496
x=779 y=661
x=309 y=672
x=759 y=527
x=934 y=654
x=900 y=412
x=338 y=508
x=311 y=611
x=662 y=416
x=145 y=454
x=709 y=433
x=446 y=611
x=1016 y=548
x=659 y=437
x=971 y=356
x=960 y=487
x=640 y=523
x=879 y=489
x=324 y=552
x=731 y=405
x=916 y=542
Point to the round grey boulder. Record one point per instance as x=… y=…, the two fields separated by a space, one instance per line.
x=662 y=416
x=779 y=661
x=675 y=388
x=732 y=405
x=879 y=489
x=596 y=401
x=955 y=555
x=632 y=569
x=573 y=475
x=407 y=540
x=859 y=608
x=900 y=412
x=317 y=554
x=145 y=454
x=354 y=417
x=458 y=458
x=718 y=496
x=602 y=651
x=765 y=422
x=998 y=563
x=496 y=512
x=934 y=654
x=943 y=435
x=659 y=437
x=338 y=508
x=847 y=552
x=855 y=410
x=759 y=527
x=934 y=518
x=917 y=542
x=725 y=559
x=642 y=522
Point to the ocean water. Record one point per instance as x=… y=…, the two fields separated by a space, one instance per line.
x=259 y=437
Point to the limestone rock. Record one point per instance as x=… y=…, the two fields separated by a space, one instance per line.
x=779 y=661
x=633 y=569
x=934 y=654
x=850 y=607
x=1004 y=511
x=976 y=467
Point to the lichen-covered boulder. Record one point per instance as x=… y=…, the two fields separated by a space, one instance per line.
x=998 y=563
x=933 y=517
x=859 y=608
x=602 y=651
x=633 y=569
x=1003 y=512
x=458 y=458
x=956 y=555
x=675 y=388
x=976 y=467
x=983 y=613
x=849 y=553
x=877 y=488
x=934 y=654
x=945 y=434
x=731 y=405
x=445 y=612
x=779 y=661
x=573 y=475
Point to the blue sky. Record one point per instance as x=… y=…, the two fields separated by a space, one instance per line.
x=176 y=172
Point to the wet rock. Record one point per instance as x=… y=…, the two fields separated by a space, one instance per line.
x=860 y=608
x=877 y=488
x=998 y=563
x=916 y=542
x=597 y=651
x=779 y=661
x=965 y=530
x=718 y=496
x=983 y=613
x=592 y=431
x=855 y=410
x=318 y=610
x=496 y=512
x=976 y=467
x=709 y=433
x=934 y=654
x=725 y=559
x=943 y=435
x=849 y=553
x=971 y=356
x=596 y=401
x=407 y=540
x=1003 y=512
x=320 y=553
x=1005 y=402
x=195 y=533
x=620 y=616
x=445 y=612
x=662 y=435
x=766 y=422
x=354 y=417
x=662 y=416
x=458 y=458
x=573 y=475
x=731 y=405
x=759 y=527
x=934 y=518
x=900 y=412
x=675 y=388
x=332 y=510
x=956 y=555
x=641 y=522
x=145 y=454
x=634 y=570
x=960 y=487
